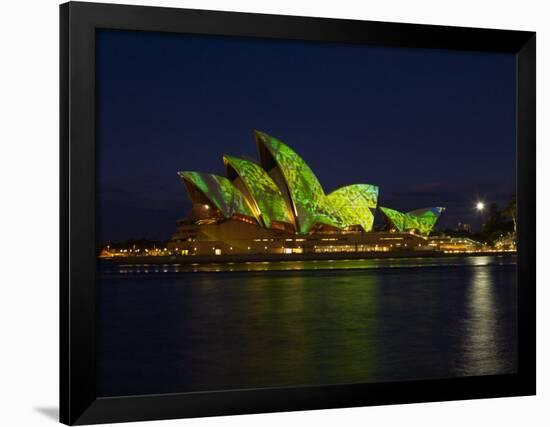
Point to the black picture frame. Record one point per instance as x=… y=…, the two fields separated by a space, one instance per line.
x=78 y=401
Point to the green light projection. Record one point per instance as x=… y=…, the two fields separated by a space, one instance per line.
x=267 y=197
x=310 y=203
x=354 y=203
x=421 y=220
x=295 y=196
x=220 y=191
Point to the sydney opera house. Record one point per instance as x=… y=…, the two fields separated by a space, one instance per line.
x=277 y=205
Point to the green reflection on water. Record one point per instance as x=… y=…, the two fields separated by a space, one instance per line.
x=340 y=264
x=287 y=331
x=367 y=322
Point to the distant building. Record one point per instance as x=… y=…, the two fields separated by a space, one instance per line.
x=465 y=228
x=279 y=206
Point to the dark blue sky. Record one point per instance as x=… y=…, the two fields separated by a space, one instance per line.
x=430 y=127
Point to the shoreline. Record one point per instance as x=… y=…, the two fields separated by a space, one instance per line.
x=244 y=258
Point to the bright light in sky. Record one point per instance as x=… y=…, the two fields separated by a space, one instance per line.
x=480 y=206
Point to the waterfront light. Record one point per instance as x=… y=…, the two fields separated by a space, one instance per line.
x=480 y=206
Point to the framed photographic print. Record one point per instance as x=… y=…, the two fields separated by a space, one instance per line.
x=272 y=213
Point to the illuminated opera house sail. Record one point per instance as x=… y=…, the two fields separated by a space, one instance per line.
x=277 y=205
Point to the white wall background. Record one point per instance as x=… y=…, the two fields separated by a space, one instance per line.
x=29 y=210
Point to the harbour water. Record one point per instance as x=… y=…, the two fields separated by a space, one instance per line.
x=165 y=329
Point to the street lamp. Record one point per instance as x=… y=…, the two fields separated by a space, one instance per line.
x=480 y=207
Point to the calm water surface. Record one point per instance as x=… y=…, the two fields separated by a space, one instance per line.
x=165 y=329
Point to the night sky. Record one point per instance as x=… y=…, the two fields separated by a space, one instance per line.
x=429 y=127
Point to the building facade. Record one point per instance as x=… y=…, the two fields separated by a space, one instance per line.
x=277 y=205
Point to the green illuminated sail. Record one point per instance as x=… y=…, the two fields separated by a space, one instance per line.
x=420 y=220
x=266 y=198
x=308 y=200
x=354 y=203
x=220 y=191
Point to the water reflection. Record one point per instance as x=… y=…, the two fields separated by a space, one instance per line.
x=169 y=332
x=339 y=264
x=279 y=330
x=480 y=326
x=490 y=323
x=480 y=260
